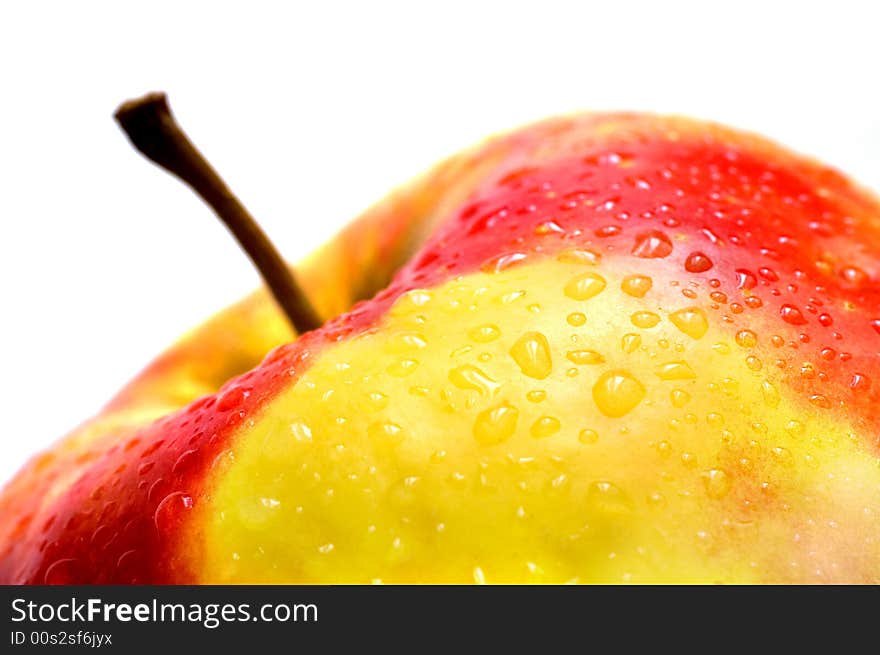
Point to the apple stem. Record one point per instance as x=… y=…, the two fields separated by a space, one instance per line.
x=152 y=129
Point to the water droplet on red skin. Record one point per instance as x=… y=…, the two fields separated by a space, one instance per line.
x=697 y=262
x=652 y=245
x=745 y=279
x=792 y=315
x=171 y=510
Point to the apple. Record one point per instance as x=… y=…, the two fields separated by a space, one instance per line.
x=602 y=348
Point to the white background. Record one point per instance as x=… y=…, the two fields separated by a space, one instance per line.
x=312 y=111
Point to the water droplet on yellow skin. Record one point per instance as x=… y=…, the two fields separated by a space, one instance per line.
x=679 y=398
x=403 y=367
x=576 y=319
x=385 y=430
x=630 y=342
x=795 y=428
x=721 y=348
x=584 y=357
x=485 y=333
x=531 y=352
x=496 y=425
x=406 y=341
x=536 y=396
x=378 y=400
x=608 y=498
x=546 y=426
x=636 y=285
x=301 y=430
x=587 y=436
x=746 y=339
x=644 y=320
x=678 y=370
x=585 y=286
x=414 y=300
x=471 y=378
x=690 y=320
x=511 y=297
x=717 y=483
x=616 y=393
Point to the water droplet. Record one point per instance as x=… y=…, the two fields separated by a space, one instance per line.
x=411 y=301
x=547 y=227
x=608 y=231
x=820 y=401
x=584 y=287
x=678 y=370
x=691 y=320
x=768 y=274
x=503 y=262
x=697 y=262
x=652 y=244
x=644 y=319
x=512 y=296
x=825 y=320
x=300 y=430
x=770 y=394
x=679 y=398
x=232 y=397
x=576 y=319
x=385 y=431
x=616 y=393
x=587 y=436
x=792 y=315
x=496 y=425
x=717 y=483
x=795 y=428
x=485 y=333
x=532 y=353
x=630 y=342
x=470 y=377
x=745 y=279
x=753 y=363
x=378 y=400
x=579 y=256
x=636 y=285
x=545 y=426
x=584 y=357
x=608 y=498
x=714 y=419
x=859 y=382
x=404 y=342
x=536 y=396
x=746 y=339
x=403 y=367
x=853 y=275
x=62 y=572
x=170 y=511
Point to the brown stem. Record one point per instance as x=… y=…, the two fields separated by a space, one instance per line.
x=152 y=129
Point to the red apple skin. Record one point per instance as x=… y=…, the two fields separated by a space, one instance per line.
x=787 y=245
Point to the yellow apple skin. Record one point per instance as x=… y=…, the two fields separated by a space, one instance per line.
x=627 y=348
